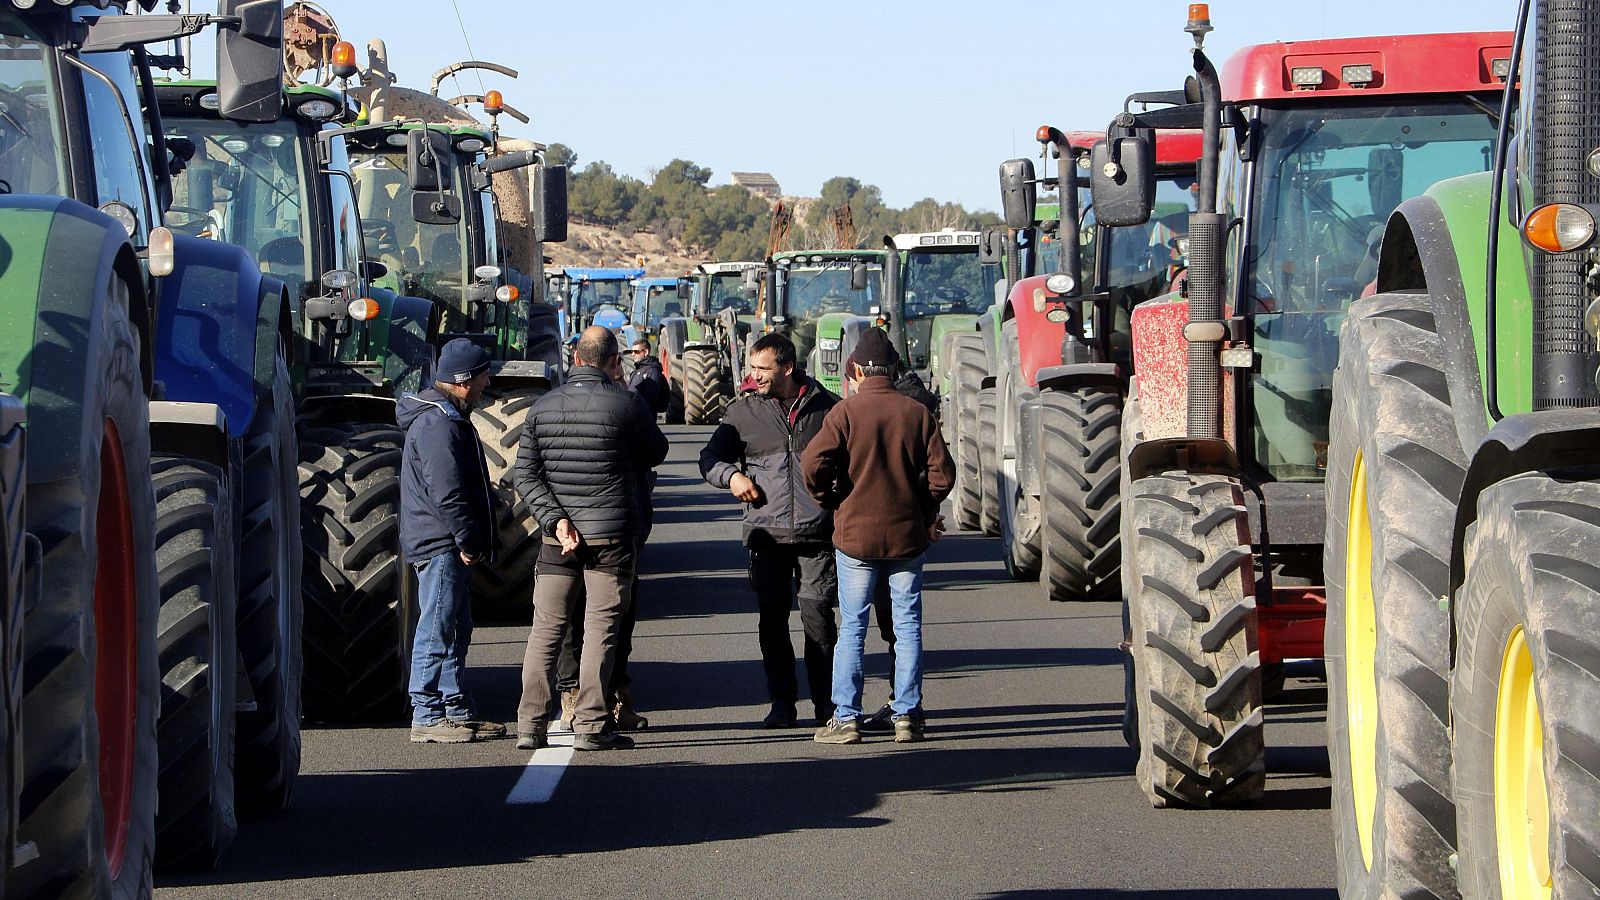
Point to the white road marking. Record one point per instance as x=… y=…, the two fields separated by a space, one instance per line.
x=538 y=781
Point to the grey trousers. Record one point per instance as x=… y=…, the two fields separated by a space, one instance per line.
x=602 y=576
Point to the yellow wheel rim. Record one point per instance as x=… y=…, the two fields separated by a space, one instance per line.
x=1360 y=660
x=1521 y=806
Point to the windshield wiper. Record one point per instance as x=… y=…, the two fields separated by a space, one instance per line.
x=1493 y=112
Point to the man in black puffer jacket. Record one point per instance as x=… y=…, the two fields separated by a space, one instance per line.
x=585 y=448
x=755 y=455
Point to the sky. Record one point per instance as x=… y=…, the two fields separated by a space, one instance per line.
x=922 y=99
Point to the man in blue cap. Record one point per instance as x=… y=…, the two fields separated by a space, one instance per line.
x=446 y=525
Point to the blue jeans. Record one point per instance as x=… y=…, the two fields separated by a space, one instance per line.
x=857 y=579
x=439 y=650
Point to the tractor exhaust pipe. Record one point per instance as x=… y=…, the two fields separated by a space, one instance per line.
x=1207 y=238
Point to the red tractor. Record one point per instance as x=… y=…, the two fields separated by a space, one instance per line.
x=1064 y=366
x=1308 y=147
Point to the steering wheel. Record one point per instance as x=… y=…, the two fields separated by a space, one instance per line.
x=381 y=233
x=194 y=221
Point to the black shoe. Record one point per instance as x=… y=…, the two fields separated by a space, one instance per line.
x=881 y=721
x=602 y=740
x=781 y=715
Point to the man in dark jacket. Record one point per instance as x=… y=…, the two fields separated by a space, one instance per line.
x=880 y=461
x=647 y=380
x=755 y=454
x=585 y=447
x=446 y=524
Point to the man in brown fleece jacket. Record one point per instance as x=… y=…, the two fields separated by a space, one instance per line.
x=880 y=461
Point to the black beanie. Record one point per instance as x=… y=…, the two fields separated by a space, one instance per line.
x=461 y=361
x=874 y=349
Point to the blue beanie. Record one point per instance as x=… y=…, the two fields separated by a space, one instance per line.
x=460 y=361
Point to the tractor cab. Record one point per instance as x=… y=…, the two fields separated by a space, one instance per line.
x=598 y=296
x=820 y=295
x=720 y=286
x=942 y=286
x=655 y=299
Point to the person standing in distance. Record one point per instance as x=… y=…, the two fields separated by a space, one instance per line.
x=446 y=525
x=881 y=463
x=586 y=447
x=647 y=380
x=755 y=455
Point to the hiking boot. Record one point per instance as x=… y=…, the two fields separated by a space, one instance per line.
x=446 y=732
x=532 y=740
x=881 y=721
x=782 y=715
x=623 y=714
x=602 y=740
x=569 y=706
x=837 y=732
x=484 y=730
x=907 y=730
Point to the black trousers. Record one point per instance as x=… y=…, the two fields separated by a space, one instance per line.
x=782 y=575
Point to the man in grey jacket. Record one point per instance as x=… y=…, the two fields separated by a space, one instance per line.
x=755 y=455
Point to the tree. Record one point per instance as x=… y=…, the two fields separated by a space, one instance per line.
x=560 y=155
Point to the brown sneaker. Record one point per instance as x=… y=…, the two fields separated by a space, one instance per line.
x=569 y=706
x=837 y=732
x=484 y=730
x=623 y=713
x=442 y=733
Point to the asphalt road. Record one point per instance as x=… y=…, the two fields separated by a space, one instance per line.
x=1023 y=788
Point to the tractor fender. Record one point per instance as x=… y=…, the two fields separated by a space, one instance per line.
x=409 y=348
x=1029 y=445
x=57 y=256
x=206 y=340
x=1183 y=454
x=1518 y=444
x=1081 y=375
x=193 y=430
x=1161 y=357
x=274 y=329
x=340 y=409
x=520 y=373
x=673 y=335
x=1419 y=255
x=1038 y=338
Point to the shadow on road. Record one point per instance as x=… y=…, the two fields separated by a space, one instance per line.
x=1195 y=894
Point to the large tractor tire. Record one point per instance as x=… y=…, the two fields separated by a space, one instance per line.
x=195 y=821
x=966 y=379
x=270 y=612
x=1525 y=691
x=1020 y=532
x=91 y=680
x=1192 y=617
x=1080 y=505
x=988 y=440
x=502 y=588
x=357 y=624
x=705 y=391
x=1395 y=468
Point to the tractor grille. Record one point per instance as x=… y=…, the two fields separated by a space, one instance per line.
x=829 y=358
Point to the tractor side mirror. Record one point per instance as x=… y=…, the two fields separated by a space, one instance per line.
x=777 y=304
x=1122 y=179
x=1019 y=192
x=426 y=154
x=992 y=246
x=750 y=283
x=250 y=61
x=858 y=276
x=685 y=289
x=550 y=202
x=436 y=209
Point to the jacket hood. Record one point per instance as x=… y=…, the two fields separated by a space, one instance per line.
x=413 y=405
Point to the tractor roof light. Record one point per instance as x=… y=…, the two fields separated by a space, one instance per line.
x=363 y=309
x=1559 y=228
x=470 y=144
x=507 y=293
x=1500 y=69
x=1199 y=20
x=1356 y=76
x=210 y=100
x=1306 y=78
x=395 y=139
x=317 y=109
x=1042 y=134
x=493 y=103
x=342 y=60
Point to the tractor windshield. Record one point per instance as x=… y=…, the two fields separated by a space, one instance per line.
x=727 y=291
x=941 y=283
x=1327 y=180
x=423 y=260
x=245 y=186
x=816 y=290
x=661 y=303
x=31 y=161
x=592 y=295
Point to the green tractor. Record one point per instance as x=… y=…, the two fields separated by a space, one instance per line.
x=354 y=346
x=436 y=228
x=819 y=299
x=943 y=287
x=1463 y=511
x=147 y=367
x=713 y=336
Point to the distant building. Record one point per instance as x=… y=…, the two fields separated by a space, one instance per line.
x=759 y=183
